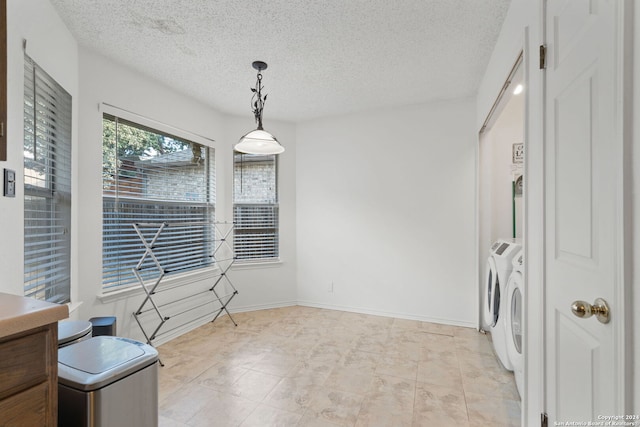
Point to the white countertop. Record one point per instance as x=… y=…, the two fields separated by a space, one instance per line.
x=18 y=314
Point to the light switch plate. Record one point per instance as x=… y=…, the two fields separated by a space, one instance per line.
x=9 y=183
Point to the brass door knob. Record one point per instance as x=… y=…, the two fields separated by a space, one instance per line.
x=584 y=310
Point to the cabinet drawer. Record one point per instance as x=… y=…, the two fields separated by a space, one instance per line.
x=24 y=362
x=27 y=409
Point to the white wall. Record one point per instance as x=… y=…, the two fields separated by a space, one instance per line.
x=51 y=45
x=385 y=209
x=521 y=31
x=102 y=81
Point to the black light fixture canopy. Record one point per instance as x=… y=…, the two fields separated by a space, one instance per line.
x=258 y=141
x=259 y=65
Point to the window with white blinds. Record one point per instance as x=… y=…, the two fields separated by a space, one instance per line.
x=255 y=207
x=47 y=186
x=152 y=177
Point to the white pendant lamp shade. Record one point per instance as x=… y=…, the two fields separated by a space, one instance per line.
x=259 y=142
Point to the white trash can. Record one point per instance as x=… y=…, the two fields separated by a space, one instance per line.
x=72 y=331
x=108 y=381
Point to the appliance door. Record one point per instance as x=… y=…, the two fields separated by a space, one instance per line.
x=496 y=300
x=514 y=319
x=491 y=278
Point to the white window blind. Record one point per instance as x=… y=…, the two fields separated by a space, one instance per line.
x=47 y=186
x=255 y=208
x=153 y=177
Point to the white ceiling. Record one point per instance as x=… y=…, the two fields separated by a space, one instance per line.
x=325 y=57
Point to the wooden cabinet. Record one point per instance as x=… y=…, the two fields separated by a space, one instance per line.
x=29 y=408
x=29 y=361
x=28 y=377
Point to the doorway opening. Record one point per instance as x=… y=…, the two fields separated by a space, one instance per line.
x=501 y=186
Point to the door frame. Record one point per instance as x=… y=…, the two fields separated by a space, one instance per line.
x=628 y=16
x=533 y=345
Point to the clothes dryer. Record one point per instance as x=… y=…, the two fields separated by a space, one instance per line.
x=515 y=316
x=502 y=253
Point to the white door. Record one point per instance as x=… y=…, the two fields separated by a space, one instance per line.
x=584 y=372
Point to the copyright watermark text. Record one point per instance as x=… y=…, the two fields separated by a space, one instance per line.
x=604 y=421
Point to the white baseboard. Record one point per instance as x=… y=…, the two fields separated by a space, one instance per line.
x=188 y=327
x=451 y=322
x=256 y=307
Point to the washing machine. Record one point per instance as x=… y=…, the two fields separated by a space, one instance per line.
x=495 y=296
x=515 y=316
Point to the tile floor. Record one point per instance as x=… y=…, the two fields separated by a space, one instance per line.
x=302 y=366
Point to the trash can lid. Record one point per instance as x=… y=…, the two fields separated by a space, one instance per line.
x=103 y=321
x=71 y=330
x=99 y=361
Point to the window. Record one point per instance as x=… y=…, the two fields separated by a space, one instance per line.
x=153 y=177
x=47 y=186
x=255 y=207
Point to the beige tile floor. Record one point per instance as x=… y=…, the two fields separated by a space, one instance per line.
x=302 y=366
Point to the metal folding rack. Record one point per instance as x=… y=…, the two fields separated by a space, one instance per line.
x=222 y=256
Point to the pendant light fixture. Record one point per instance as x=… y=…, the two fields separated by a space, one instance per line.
x=258 y=141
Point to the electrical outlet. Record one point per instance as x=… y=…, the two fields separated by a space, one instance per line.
x=9 y=183
x=330 y=287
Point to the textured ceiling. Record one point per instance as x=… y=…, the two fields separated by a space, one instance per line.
x=325 y=57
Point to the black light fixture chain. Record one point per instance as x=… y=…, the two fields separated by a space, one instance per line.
x=257 y=102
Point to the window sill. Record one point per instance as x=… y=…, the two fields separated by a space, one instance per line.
x=166 y=284
x=250 y=265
